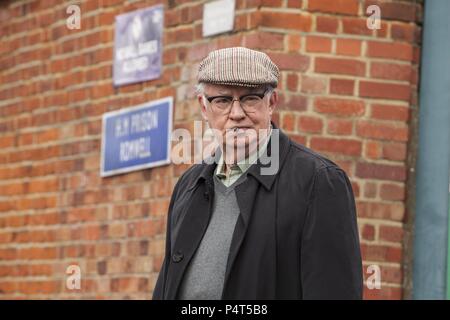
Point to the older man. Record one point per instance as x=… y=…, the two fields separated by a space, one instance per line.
x=235 y=231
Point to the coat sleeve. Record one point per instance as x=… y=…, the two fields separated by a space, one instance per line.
x=158 y=292
x=331 y=265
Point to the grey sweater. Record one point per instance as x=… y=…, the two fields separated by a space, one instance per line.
x=204 y=277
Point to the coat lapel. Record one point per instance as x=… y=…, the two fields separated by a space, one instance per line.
x=245 y=195
x=191 y=232
x=247 y=192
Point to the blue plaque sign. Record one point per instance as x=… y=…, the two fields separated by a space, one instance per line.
x=136 y=138
x=138 y=45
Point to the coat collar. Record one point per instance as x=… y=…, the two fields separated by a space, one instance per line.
x=209 y=165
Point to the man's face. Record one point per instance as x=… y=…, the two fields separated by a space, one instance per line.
x=239 y=125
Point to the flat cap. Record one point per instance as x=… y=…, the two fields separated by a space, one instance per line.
x=238 y=66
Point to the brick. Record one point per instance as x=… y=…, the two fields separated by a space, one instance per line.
x=395 y=151
x=290 y=61
x=125 y=284
x=292 y=82
x=391 y=71
x=8 y=286
x=47 y=135
x=13 y=189
x=373 y=150
x=405 y=32
x=385 y=293
x=382 y=90
x=392 y=192
x=380 y=171
x=383 y=31
x=368 y=232
x=231 y=41
x=284 y=20
x=172 y=17
x=349 y=7
x=159 y=208
x=390 y=50
x=382 y=131
x=318 y=44
x=116 y=230
x=377 y=210
x=240 y=22
x=293 y=102
x=143 y=229
x=288 y=123
x=44 y=219
x=38 y=287
x=340 y=66
x=199 y=51
x=339 y=126
x=7 y=141
x=313 y=85
x=381 y=253
x=339 y=107
x=342 y=86
x=310 y=124
x=264 y=40
x=391 y=233
x=15 y=221
x=272 y=3
x=44 y=253
x=399 y=10
x=348 y=147
x=36 y=203
x=8 y=254
x=391 y=274
x=295 y=3
x=327 y=24
x=370 y=190
x=390 y=112
x=47 y=185
x=294 y=43
x=348 y=47
x=254 y=20
x=355 y=26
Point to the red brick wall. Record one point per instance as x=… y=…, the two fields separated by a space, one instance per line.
x=346 y=91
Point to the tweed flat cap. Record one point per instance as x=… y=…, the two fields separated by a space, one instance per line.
x=238 y=66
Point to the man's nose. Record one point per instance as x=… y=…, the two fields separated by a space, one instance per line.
x=236 y=111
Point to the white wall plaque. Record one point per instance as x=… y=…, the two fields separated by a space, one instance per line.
x=218 y=17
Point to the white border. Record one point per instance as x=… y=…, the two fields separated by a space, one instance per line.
x=150 y=104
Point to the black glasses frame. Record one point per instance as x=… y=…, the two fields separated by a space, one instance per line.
x=260 y=95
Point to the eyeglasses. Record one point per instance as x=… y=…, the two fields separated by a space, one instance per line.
x=249 y=102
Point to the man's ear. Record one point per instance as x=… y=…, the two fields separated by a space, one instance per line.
x=202 y=103
x=273 y=102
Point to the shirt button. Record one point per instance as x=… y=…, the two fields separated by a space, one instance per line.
x=177 y=257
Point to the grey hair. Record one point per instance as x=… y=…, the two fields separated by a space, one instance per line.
x=269 y=88
x=200 y=88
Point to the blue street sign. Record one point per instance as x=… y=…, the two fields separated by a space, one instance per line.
x=138 y=45
x=136 y=138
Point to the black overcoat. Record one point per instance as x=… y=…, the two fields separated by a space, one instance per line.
x=296 y=236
